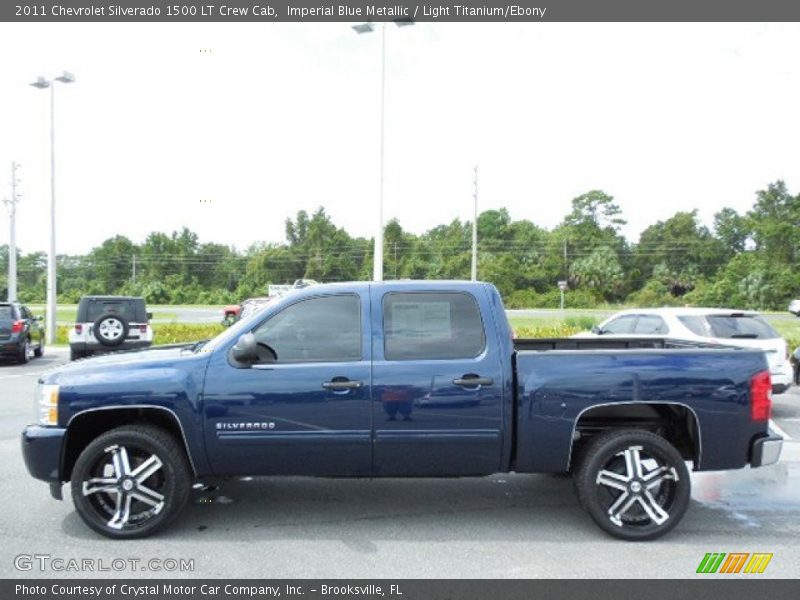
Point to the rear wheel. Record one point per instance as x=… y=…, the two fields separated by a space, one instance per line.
x=24 y=353
x=131 y=481
x=633 y=483
x=38 y=352
x=75 y=354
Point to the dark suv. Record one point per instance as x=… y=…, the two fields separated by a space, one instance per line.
x=110 y=324
x=21 y=334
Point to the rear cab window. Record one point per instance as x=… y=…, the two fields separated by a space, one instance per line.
x=432 y=326
x=6 y=312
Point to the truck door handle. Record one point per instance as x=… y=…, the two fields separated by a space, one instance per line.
x=473 y=381
x=342 y=385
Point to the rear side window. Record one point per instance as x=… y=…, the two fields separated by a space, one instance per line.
x=741 y=327
x=697 y=325
x=432 y=326
x=6 y=312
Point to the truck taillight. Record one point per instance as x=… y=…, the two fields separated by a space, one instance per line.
x=761 y=396
x=17 y=326
x=143 y=328
x=78 y=328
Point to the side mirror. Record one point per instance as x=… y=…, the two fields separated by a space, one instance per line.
x=596 y=330
x=39 y=318
x=245 y=351
x=149 y=316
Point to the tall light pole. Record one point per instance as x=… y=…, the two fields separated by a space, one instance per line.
x=475 y=229
x=377 y=265
x=42 y=83
x=11 y=205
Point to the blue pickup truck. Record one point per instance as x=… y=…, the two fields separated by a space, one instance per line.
x=399 y=379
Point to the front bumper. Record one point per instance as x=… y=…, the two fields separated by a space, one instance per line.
x=41 y=450
x=766 y=451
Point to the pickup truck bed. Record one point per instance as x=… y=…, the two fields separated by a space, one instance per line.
x=399 y=379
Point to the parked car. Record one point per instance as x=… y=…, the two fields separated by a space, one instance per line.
x=724 y=326
x=234 y=312
x=21 y=334
x=133 y=433
x=110 y=324
x=794 y=307
x=795 y=360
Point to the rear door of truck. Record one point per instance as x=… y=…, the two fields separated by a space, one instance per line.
x=438 y=388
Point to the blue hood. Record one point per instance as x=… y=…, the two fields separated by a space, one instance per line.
x=121 y=364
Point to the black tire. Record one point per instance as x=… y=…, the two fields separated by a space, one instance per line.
x=103 y=486
x=23 y=355
x=630 y=502
x=38 y=352
x=75 y=354
x=111 y=329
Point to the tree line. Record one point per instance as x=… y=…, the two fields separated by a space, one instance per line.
x=742 y=260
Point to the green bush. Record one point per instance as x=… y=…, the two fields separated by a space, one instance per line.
x=580 y=298
x=653 y=295
x=582 y=322
x=164 y=333
x=557 y=331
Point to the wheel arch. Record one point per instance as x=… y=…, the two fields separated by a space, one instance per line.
x=85 y=426
x=676 y=422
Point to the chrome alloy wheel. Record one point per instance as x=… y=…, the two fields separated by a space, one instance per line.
x=635 y=489
x=126 y=487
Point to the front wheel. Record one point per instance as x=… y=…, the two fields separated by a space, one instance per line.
x=131 y=481
x=633 y=483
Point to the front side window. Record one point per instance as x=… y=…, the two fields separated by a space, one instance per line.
x=323 y=329
x=651 y=325
x=620 y=325
x=432 y=326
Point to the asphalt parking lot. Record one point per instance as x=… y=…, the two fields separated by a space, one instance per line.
x=500 y=526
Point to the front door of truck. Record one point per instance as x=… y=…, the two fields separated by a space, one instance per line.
x=438 y=384
x=309 y=411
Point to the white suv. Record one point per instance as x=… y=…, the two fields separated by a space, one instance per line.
x=109 y=324
x=744 y=329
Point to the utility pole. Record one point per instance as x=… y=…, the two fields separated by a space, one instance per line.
x=134 y=269
x=475 y=228
x=11 y=205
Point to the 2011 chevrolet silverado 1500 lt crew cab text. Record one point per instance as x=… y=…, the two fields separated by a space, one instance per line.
x=399 y=379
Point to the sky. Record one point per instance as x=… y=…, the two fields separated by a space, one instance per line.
x=229 y=129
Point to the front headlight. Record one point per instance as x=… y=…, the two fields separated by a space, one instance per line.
x=47 y=404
